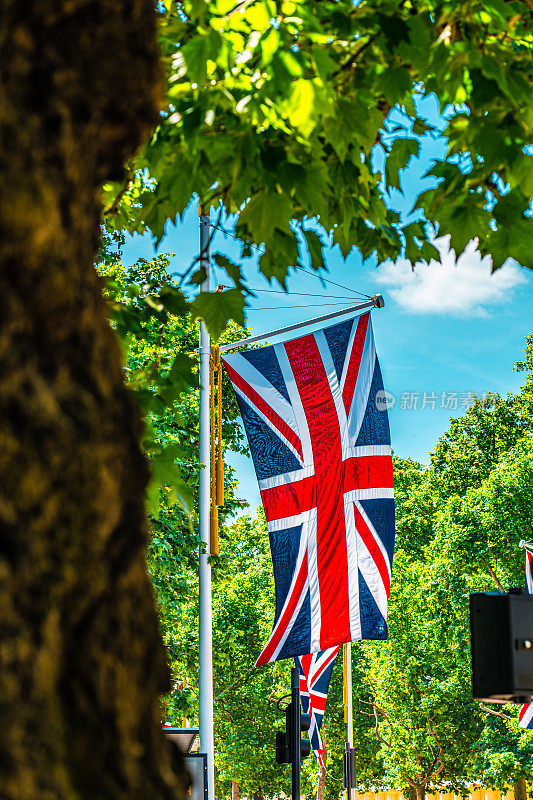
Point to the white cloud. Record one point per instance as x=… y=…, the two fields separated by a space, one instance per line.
x=451 y=285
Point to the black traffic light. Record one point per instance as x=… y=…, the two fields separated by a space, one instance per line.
x=290 y=747
x=295 y=724
x=501 y=634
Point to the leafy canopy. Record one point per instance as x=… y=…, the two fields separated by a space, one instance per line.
x=273 y=109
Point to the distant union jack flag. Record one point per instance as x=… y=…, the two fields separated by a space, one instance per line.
x=525 y=715
x=315 y=675
x=320 y=443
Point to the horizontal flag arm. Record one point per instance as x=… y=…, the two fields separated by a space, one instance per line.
x=375 y=302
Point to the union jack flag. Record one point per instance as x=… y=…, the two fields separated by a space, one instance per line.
x=315 y=675
x=525 y=715
x=313 y=410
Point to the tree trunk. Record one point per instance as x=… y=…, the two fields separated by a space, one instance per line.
x=520 y=789
x=235 y=790
x=420 y=792
x=81 y=658
x=321 y=783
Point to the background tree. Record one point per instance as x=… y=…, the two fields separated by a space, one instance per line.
x=419 y=679
x=502 y=756
x=163 y=373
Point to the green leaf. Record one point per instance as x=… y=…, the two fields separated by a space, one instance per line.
x=281 y=254
x=173 y=300
x=395 y=83
x=259 y=15
x=394 y=28
x=198 y=276
x=314 y=246
x=521 y=174
x=269 y=45
x=180 y=373
x=264 y=213
x=301 y=106
x=217 y=308
x=325 y=65
x=197 y=51
x=398 y=158
x=464 y=221
x=233 y=270
x=165 y=472
x=515 y=242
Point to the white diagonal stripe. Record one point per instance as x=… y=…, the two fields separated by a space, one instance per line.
x=296 y=402
x=331 y=373
x=290 y=522
x=349 y=352
x=372 y=577
x=263 y=387
x=363 y=384
x=528 y=716
x=375 y=536
x=299 y=560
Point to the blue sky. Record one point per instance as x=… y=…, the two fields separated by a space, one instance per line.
x=448 y=329
x=452 y=330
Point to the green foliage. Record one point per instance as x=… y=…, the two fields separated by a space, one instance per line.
x=458 y=523
x=271 y=107
x=426 y=720
x=159 y=339
x=502 y=754
x=157 y=344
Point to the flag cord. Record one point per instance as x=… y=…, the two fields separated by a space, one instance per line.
x=215 y=432
x=220 y=460
x=212 y=455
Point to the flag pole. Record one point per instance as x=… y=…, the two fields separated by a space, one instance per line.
x=349 y=694
x=207 y=744
x=373 y=302
x=348 y=758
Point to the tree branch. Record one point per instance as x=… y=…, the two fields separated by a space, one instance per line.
x=113 y=208
x=440 y=757
x=492 y=574
x=377 y=710
x=495 y=713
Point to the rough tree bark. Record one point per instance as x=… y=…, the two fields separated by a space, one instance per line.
x=81 y=659
x=520 y=789
x=234 y=790
x=420 y=792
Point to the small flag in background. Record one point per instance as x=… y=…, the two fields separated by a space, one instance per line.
x=525 y=716
x=315 y=675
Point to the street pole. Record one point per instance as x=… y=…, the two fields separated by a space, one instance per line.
x=295 y=733
x=349 y=753
x=207 y=742
x=349 y=726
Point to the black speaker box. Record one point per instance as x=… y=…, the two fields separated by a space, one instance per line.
x=501 y=637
